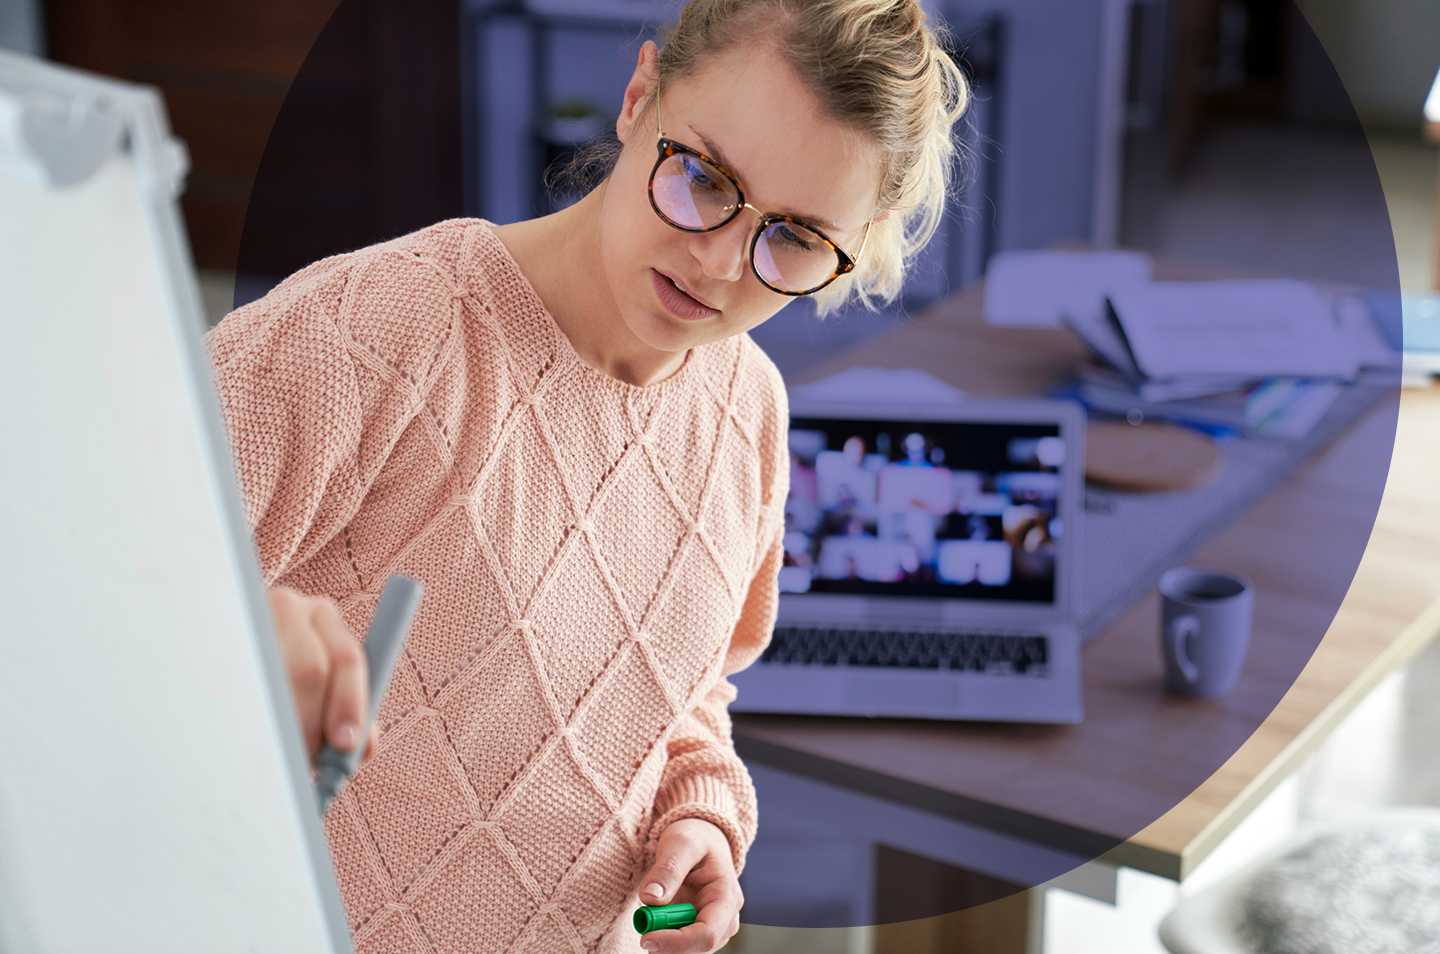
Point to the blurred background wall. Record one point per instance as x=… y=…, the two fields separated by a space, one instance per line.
x=1386 y=52
x=20 y=27
x=316 y=126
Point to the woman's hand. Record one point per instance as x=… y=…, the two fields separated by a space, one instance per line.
x=327 y=670
x=694 y=857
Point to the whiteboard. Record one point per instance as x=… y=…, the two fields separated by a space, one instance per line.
x=155 y=793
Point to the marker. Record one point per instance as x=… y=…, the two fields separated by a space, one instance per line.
x=661 y=917
x=383 y=642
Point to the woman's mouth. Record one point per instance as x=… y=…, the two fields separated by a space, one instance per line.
x=676 y=301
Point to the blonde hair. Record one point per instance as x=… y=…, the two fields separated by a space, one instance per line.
x=877 y=67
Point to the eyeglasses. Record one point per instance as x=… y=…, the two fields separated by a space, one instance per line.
x=694 y=193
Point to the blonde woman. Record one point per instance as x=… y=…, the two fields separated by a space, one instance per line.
x=561 y=427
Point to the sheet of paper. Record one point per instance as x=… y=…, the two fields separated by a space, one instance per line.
x=1261 y=328
x=1302 y=413
x=1037 y=289
x=1362 y=335
x=864 y=383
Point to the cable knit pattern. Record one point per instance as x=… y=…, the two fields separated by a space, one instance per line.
x=597 y=558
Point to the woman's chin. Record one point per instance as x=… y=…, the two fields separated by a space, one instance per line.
x=663 y=331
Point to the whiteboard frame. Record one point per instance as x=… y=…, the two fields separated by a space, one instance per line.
x=109 y=116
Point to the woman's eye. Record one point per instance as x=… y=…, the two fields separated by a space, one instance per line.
x=792 y=238
x=696 y=172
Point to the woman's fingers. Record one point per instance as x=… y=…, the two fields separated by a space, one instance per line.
x=305 y=660
x=676 y=855
x=693 y=862
x=326 y=665
x=345 y=697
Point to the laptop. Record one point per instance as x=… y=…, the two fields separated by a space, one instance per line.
x=930 y=566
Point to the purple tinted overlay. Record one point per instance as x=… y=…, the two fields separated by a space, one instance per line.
x=876 y=820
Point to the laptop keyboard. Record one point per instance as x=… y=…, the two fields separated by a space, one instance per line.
x=1008 y=653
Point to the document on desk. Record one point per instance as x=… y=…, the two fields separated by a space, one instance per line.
x=866 y=383
x=1030 y=289
x=1260 y=328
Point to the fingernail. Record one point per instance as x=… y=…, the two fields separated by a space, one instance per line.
x=346 y=736
x=655 y=891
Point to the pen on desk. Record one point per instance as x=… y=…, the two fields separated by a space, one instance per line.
x=383 y=642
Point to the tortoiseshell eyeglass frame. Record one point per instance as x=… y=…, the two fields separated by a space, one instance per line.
x=669 y=147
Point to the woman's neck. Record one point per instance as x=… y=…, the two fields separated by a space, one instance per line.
x=560 y=255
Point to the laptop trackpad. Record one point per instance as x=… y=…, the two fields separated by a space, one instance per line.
x=915 y=690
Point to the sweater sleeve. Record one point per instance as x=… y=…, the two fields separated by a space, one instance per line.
x=310 y=403
x=704 y=777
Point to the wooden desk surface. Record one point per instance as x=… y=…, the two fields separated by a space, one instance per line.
x=1139 y=753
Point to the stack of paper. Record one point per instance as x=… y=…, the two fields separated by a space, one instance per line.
x=1260 y=357
x=1232 y=330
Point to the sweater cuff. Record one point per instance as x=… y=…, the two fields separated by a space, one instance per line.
x=699 y=796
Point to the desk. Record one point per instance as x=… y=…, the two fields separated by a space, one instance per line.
x=1136 y=742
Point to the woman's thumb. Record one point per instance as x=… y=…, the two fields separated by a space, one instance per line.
x=673 y=861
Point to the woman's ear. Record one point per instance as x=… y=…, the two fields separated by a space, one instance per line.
x=638 y=90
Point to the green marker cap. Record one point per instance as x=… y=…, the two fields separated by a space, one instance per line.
x=659 y=917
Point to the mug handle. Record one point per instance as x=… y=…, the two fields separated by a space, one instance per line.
x=1180 y=629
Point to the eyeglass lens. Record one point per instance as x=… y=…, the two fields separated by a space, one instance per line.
x=693 y=194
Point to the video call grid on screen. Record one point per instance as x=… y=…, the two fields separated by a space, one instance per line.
x=957 y=510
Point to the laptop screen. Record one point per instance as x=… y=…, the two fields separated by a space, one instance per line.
x=948 y=509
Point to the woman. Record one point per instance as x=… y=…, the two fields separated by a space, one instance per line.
x=561 y=428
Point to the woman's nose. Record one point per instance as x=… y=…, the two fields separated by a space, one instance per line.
x=721 y=253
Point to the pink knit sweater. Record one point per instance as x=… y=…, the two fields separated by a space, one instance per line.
x=597 y=557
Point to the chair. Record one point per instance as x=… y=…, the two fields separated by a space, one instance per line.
x=1367 y=884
